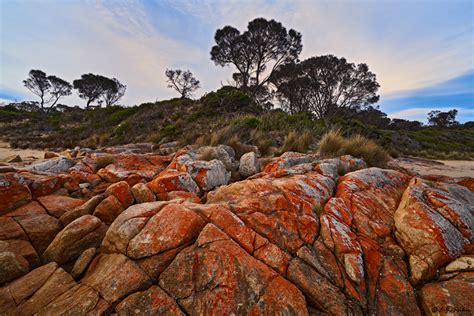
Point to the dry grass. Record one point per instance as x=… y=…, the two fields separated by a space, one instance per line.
x=239 y=147
x=299 y=142
x=333 y=144
x=207 y=154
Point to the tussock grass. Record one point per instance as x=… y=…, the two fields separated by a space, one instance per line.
x=207 y=154
x=333 y=144
x=299 y=142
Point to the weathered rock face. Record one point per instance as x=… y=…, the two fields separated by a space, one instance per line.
x=115 y=276
x=356 y=228
x=57 y=205
x=435 y=224
x=12 y=266
x=58 y=165
x=249 y=164
x=173 y=180
x=229 y=280
x=302 y=236
x=451 y=297
x=85 y=232
x=280 y=209
x=153 y=301
x=13 y=193
x=133 y=168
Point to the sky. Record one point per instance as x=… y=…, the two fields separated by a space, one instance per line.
x=422 y=51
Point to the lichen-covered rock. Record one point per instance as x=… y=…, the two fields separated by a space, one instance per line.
x=451 y=297
x=230 y=280
x=127 y=225
x=326 y=296
x=187 y=196
x=153 y=301
x=13 y=193
x=303 y=236
x=85 y=232
x=121 y=190
x=280 y=209
x=84 y=209
x=78 y=300
x=109 y=209
x=133 y=168
x=357 y=227
x=41 y=184
x=249 y=164
x=57 y=205
x=287 y=160
x=57 y=165
x=143 y=194
x=115 y=276
x=57 y=283
x=435 y=224
x=173 y=226
x=207 y=174
x=172 y=180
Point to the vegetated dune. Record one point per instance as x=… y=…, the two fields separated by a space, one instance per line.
x=202 y=231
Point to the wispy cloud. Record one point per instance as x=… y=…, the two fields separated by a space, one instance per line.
x=116 y=40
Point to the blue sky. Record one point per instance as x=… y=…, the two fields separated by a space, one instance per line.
x=422 y=51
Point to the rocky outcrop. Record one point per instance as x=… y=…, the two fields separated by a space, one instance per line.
x=435 y=225
x=150 y=234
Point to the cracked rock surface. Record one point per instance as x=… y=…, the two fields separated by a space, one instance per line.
x=174 y=235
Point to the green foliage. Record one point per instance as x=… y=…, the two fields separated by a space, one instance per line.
x=6 y=116
x=249 y=121
x=228 y=98
x=118 y=114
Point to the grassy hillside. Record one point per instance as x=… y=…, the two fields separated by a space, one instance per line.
x=226 y=116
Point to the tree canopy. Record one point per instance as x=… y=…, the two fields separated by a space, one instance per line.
x=182 y=81
x=114 y=93
x=257 y=52
x=48 y=88
x=93 y=87
x=322 y=85
x=443 y=119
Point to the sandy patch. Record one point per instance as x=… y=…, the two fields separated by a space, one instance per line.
x=27 y=155
x=450 y=168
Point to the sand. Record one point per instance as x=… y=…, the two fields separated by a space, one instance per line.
x=27 y=155
x=450 y=168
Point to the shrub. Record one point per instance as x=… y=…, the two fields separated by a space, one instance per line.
x=228 y=98
x=334 y=145
x=249 y=121
x=299 y=142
